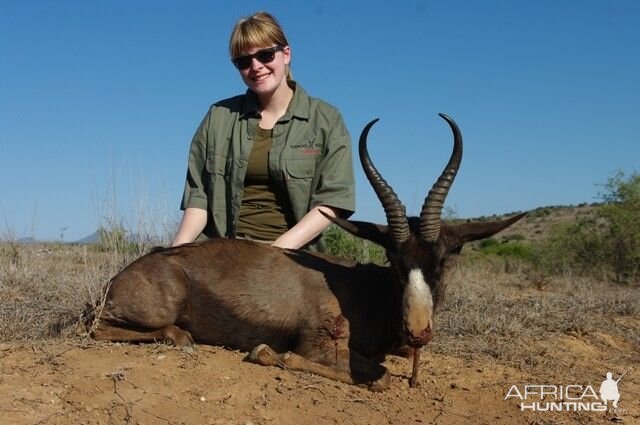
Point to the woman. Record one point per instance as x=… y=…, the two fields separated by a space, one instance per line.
x=264 y=164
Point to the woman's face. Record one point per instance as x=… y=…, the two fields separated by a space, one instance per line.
x=265 y=78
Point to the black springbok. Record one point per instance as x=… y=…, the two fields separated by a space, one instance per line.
x=305 y=311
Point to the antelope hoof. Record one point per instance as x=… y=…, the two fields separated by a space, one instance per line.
x=190 y=349
x=263 y=355
x=381 y=384
x=177 y=336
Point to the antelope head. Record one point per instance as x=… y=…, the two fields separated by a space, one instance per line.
x=418 y=247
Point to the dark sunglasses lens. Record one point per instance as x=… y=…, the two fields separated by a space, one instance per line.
x=265 y=56
x=243 y=62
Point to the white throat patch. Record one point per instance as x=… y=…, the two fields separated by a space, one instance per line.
x=418 y=301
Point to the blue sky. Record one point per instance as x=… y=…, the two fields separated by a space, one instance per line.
x=99 y=100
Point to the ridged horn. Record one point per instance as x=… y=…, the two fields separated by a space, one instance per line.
x=393 y=208
x=432 y=207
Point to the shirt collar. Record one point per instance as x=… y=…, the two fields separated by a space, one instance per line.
x=298 y=107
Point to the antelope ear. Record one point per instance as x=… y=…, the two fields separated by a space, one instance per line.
x=375 y=233
x=457 y=235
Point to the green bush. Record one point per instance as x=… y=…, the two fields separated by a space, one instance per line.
x=571 y=248
x=342 y=244
x=514 y=237
x=487 y=244
x=621 y=229
x=117 y=239
x=605 y=244
x=508 y=249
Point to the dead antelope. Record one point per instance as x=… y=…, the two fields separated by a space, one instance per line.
x=305 y=311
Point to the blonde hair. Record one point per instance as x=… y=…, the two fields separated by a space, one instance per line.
x=258 y=30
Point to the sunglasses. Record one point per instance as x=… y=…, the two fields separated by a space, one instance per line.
x=263 y=56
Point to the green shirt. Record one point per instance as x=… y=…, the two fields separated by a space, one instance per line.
x=310 y=158
x=265 y=212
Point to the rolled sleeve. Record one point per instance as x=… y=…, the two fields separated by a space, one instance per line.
x=195 y=192
x=336 y=183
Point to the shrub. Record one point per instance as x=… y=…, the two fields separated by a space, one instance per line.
x=487 y=244
x=514 y=237
x=571 y=248
x=508 y=249
x=115 y=239
x=605 y=244
x=342 y=244
x=621 y=217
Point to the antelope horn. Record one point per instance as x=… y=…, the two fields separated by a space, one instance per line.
x=432 y=207
x=393 y=208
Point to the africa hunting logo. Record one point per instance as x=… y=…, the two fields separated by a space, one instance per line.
x=568 y=398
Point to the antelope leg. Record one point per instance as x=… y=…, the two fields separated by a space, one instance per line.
x=361 y=370
x=171 y=333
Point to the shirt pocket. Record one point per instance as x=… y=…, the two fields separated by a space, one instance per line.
x=218 y=174
x=217 y=164
x=299 y=174
x=300 y=168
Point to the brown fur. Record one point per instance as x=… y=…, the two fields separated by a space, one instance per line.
x=338 y=317
x=241 y=294
x=292 y=308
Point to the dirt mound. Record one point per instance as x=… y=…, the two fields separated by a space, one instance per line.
x=76 y=382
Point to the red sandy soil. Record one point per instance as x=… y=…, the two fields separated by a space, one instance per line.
x=84 y=382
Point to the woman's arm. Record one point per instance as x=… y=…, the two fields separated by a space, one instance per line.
x=192 y=224
x=307 y=229
x=335 y=194
x=194 y=199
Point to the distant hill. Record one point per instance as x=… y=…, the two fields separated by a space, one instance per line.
x=539 y=223
x=92 y=238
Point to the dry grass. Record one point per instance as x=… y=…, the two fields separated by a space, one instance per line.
x=46 y=288
x=508 y=316
x=516 y=317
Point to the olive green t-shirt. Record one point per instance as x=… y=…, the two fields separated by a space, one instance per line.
x=265 y=213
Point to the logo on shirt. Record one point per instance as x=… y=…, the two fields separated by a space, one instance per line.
x=307 y=148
